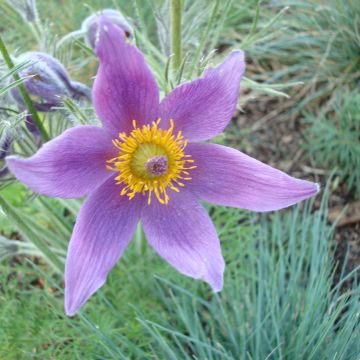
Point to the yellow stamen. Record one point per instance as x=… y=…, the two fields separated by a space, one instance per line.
x=151 y=161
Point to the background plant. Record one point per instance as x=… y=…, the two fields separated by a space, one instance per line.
x=334 y=138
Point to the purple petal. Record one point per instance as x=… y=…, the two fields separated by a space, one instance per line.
x=184 y=235
x=103 y=229
x=124 y=89
x=228 y=177
x=69 y=166
x=203 y=108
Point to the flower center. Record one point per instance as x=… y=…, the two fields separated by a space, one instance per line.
x=157 y=165
x=151 y=161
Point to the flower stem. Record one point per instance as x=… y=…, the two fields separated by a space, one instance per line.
x=176 y=33
x=23 y=92
x=140 y=240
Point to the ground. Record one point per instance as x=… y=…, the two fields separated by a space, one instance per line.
x=275 y=137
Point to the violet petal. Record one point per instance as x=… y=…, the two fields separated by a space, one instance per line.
x=202 y=108
x=228 y=177
x=184 y=235
x=69 y=166
x=103 y=229
x=124 y=88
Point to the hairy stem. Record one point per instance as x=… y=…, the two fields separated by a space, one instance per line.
x=176 y=33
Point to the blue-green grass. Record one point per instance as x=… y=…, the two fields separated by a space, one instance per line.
x=333 y=139
x=280 y=301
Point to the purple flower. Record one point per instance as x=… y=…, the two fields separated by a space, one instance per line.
x=148 y=164
x=90 y=26
x=48 y=83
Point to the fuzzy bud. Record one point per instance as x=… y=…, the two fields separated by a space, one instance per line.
x=26 y=8
x=90 y=25
x=48 y=82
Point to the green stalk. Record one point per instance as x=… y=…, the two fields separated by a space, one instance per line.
x=31 y=233
x=176 y=33
x=205 y=35
x=140 y=240
x=24 y=93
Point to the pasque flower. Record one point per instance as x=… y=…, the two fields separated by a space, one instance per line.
x=90 y=25
x=48 y=82
x=148 y=163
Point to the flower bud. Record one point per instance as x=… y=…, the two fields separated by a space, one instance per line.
x=48 y=82
x=26 y=8
x=5 y=146
x=90 y=25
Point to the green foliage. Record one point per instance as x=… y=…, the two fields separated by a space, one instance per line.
x=313 y=41
x=15 y=194
x=278 y=301
x=334 y=138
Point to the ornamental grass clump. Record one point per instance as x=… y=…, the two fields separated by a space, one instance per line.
x=149 y=163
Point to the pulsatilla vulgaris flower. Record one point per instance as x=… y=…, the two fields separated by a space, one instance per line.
x=90 y=26
x=48 y=82
x=147 y=163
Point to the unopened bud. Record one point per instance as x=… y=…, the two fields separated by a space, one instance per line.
x=91 y=24
x=48 y=82
x=26 y=8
